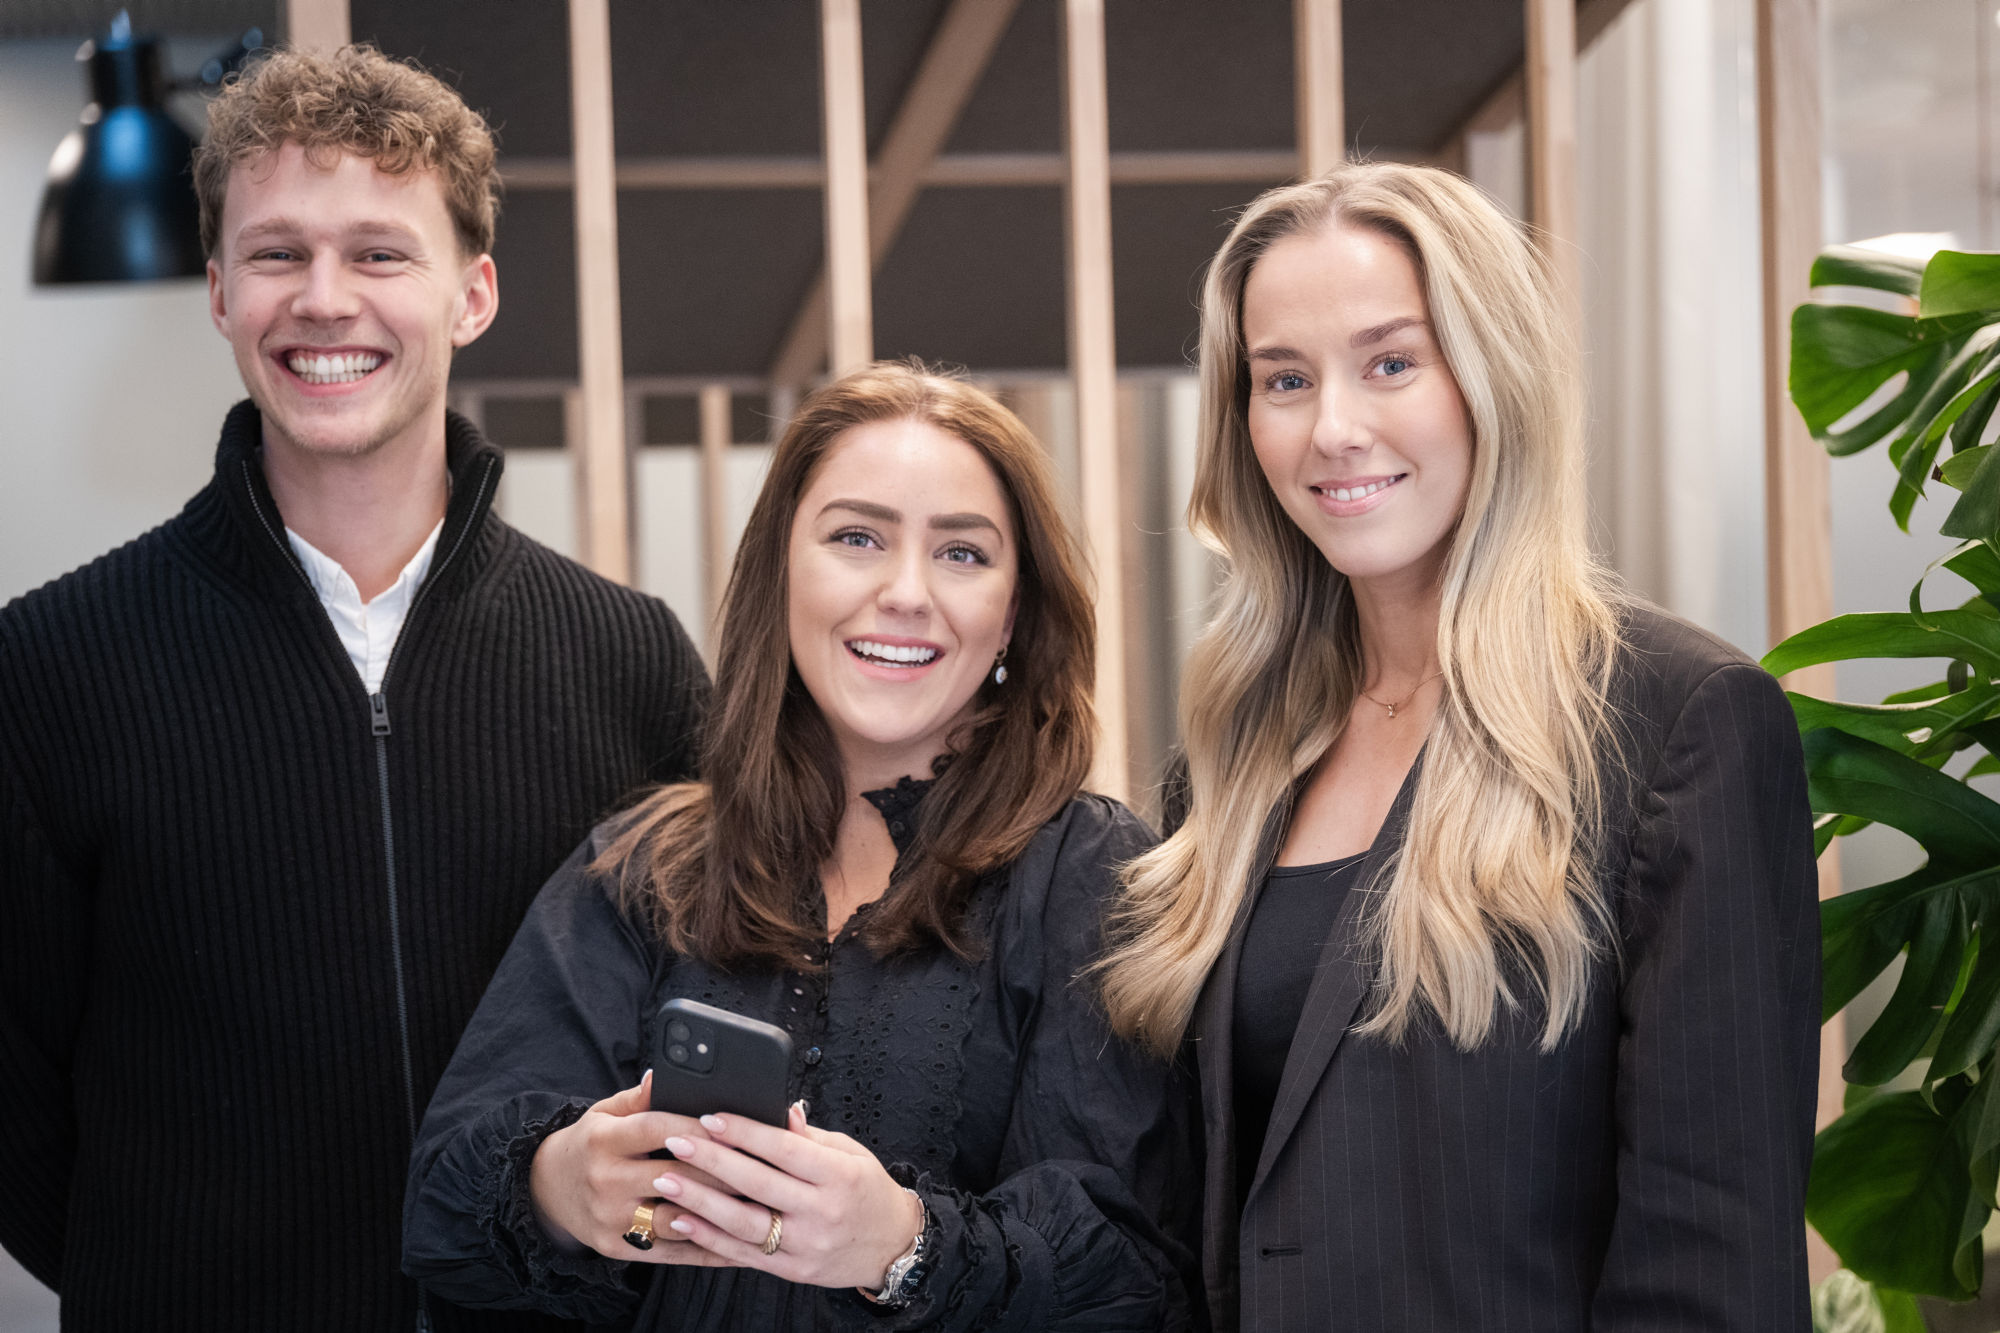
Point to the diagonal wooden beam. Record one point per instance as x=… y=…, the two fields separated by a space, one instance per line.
x=958 y=54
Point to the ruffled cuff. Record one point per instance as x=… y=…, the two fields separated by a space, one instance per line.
x=575 y=1283
x=1043 y=1251
x=980 y=1275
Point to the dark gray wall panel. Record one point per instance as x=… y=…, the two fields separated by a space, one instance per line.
x=534 y=335
x=977 y=279
x=710 y=279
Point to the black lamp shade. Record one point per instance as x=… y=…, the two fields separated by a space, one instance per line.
x=120 y=205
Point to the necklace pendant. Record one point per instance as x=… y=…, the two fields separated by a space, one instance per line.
x=1391 y=708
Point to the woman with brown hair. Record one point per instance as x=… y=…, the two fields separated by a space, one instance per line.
x=890 y=858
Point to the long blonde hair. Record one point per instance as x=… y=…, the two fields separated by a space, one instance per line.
x=1492 y=891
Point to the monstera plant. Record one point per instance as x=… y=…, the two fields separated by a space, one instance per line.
x=1903 y=1183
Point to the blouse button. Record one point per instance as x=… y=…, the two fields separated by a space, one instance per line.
x=896 y=827
x=812 y=1055
x=821 y=1006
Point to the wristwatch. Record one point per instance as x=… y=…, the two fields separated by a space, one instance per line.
x=905 y=1277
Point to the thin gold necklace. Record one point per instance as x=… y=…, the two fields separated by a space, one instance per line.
x=1403 y=702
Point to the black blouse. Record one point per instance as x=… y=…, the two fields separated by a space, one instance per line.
x=1057 y=1162
x=1288 y=928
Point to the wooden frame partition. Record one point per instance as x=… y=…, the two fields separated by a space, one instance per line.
x=1798 y=513
x=1320 y=88
x=318 y=25
x=1093 y=361
x=602 y=452
x=1549 y=68
x=943 y=83
x=843 y=120
x=715 y=549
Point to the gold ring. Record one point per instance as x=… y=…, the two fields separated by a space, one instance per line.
x=640 y=1234
x=776 y=1234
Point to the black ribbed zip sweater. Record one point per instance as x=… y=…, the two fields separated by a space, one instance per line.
x=245 y=908
x=487 y=468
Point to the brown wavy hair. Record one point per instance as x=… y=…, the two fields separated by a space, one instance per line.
x=723 y=869
x=357 y=101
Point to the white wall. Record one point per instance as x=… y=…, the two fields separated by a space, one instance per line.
x=110 y=396
x=538 y=495
x=1670 y=272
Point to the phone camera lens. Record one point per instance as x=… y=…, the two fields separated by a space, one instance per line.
x=677 y=1053
x=678 y=1030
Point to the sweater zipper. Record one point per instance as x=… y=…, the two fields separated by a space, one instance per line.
x=379 y=728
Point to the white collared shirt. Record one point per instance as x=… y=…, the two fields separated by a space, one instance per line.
x=367 y=630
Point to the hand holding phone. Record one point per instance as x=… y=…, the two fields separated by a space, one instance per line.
x=586 y=1178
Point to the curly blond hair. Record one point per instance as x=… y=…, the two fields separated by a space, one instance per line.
x=357 y=101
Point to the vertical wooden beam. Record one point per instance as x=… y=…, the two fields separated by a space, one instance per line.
x=1147 y=515
x=572 y=439
x=603 y=459
x=318 y=25
x=1798 y=518
x=1320 y=85
x=957 y=56
x=780 y=407
x=844 y=121
x=715 y=432
x=1093 y=362
x=1550 y=64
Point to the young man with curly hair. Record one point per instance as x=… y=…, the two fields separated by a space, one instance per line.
x=279 y=778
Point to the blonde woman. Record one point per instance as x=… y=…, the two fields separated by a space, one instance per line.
x=1492 y=913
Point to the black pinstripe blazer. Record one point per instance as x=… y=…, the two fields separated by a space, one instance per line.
x=1649 y=1173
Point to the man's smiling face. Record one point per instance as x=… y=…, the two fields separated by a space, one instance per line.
x=343 y=291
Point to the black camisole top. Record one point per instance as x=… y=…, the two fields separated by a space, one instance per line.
x=1281 y=953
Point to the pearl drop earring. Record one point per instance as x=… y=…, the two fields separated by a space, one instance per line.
x=1000 y=667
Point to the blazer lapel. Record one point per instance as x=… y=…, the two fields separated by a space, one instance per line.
x=1339 y=985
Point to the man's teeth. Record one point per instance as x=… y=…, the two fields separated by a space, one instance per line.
x=1360 y=492
x=339 y=369
x=887 y=652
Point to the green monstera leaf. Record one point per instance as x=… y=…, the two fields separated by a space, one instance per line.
x=1903 y=1183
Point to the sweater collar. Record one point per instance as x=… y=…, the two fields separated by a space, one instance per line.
x=473 y=462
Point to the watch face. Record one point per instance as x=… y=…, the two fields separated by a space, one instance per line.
x=906 y=1275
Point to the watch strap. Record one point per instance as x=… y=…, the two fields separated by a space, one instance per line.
x=905 y=1275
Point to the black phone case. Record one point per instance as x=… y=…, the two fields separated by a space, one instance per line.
x=746 y=1067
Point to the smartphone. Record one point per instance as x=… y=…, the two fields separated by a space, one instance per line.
x=709 y=1060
